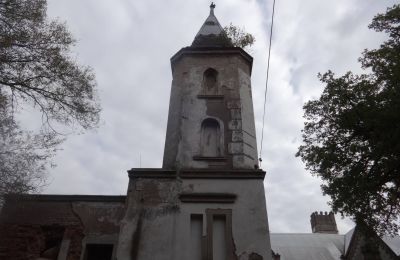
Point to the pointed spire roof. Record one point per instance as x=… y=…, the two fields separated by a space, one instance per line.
x=211 y=34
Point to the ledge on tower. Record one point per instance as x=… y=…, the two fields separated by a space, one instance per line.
x=206 y=173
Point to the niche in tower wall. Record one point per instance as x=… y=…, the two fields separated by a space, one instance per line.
x=210 y=82
x=211 y=138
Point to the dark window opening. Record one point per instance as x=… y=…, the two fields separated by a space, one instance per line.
x=53 y=236
x=98 y=252
x=196 y=236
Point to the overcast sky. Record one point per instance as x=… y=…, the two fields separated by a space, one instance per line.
x=129 y=43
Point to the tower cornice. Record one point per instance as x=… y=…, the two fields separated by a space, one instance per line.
x=206 y=173
x=212 y=51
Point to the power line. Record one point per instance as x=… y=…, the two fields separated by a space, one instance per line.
x=266 y=83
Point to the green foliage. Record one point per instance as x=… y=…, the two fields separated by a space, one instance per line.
x=36 y=69
x=352 y=134
x=238 y=36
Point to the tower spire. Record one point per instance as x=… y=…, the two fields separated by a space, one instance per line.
x=211 y=33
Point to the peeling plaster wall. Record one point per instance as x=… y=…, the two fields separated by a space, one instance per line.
x=157 y=222
x=189 y=106
x=149 y=223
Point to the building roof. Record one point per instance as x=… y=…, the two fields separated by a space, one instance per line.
x=393 y=243
x=308 y=246
x=318 y=246
x=211 y=33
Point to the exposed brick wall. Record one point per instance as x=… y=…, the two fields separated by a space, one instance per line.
x=32 y=226
x=75 y=235
x=20 y=242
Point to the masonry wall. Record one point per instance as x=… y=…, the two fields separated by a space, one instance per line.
x=57 y=227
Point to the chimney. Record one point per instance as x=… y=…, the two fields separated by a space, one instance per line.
x=323 y=223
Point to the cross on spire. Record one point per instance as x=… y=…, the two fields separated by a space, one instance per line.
x=212 y=6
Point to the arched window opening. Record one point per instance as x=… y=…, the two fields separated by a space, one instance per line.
x=210 y=82
x=210 y=138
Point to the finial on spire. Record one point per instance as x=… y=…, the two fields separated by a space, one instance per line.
x=212 y=6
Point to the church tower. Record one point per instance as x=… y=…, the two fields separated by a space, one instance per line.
x=207 y=202
x=211 y=121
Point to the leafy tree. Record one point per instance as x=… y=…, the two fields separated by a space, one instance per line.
x=24 y=156
x=36 y=68
x=238 y=36
x=352 y=134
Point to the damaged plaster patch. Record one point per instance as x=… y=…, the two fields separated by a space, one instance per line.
x=153 y=198
x=99 y=217
x=151 y=192
x=154 y=193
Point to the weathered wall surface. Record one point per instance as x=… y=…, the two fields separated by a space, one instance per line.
x=231 y=105
x=157 y=224
x=149 y=222
x=248 y=154
x=54 y=225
